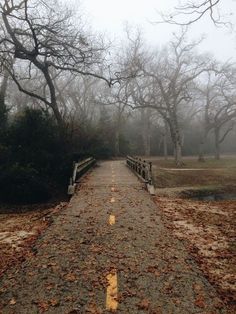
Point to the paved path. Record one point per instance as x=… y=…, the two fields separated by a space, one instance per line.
x=108 y=251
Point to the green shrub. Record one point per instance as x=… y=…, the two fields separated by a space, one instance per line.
x=22 y=185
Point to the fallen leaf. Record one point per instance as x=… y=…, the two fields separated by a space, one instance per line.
x=71 y=277
x=199 y=302
x=43 y=306
x=12 y=302
x=54 y=302
x=144 y=304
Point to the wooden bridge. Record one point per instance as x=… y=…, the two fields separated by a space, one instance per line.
x=108 y=251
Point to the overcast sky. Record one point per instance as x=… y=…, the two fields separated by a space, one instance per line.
x=109 y=17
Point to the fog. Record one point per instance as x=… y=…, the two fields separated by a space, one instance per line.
x=110 y=17
x=116 y=81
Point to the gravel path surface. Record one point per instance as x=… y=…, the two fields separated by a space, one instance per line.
x=108 y=251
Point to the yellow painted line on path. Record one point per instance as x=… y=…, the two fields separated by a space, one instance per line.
x=112 y=220
x=112 y=292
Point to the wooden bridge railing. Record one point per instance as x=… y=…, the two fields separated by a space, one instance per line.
x=79 y=168
x=143 y=168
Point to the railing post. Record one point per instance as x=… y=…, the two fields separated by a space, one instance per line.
x=79 y=168
x=150 y=173
x=144 y=170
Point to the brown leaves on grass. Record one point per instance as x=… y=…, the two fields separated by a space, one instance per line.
x=12 y=301
x=200 y=302
x=208 y=228
x=143 y=304
x=92 y=308
x=44 y=305
x=71 y=277
x=19 y=233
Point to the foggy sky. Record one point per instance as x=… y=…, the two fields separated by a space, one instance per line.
x=109 y=17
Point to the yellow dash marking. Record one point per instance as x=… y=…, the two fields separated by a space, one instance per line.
x=113 y=200
x=112 y=220
x=112 y=293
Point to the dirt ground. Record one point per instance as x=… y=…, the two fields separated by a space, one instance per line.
x=18 y=232
x=207 y=228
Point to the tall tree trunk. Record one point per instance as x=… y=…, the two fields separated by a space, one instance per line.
x=176 y=140
x=117 y=133
x=148 y=142
x=201 y=155
x=3 y=109
x=54 y=105
x=165 y=144
x=178 y=154
x=117 y=143
x=217 y=143
x=146 y=136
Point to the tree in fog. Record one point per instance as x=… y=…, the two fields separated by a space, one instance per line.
x=43 y=39
x=3 y=90
x=173 y=74
x=116 y=100
x=119 y=97
x=76 y=98
x=141 y=97
x=219 y=107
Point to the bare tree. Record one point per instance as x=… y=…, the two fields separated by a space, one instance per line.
x=140 y=98
x=219 y=108
x=117 y=98
x=43 y=39
x=189 y=12
x=173 y=76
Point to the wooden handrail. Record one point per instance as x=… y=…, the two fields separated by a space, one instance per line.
x=79 y=168
x=142 y=168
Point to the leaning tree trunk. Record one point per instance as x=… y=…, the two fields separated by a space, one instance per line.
x=60 y=122
x=3 y=108
x=54 y=106
x=217 y=144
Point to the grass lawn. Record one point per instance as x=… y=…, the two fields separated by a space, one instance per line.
x=209 y=174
